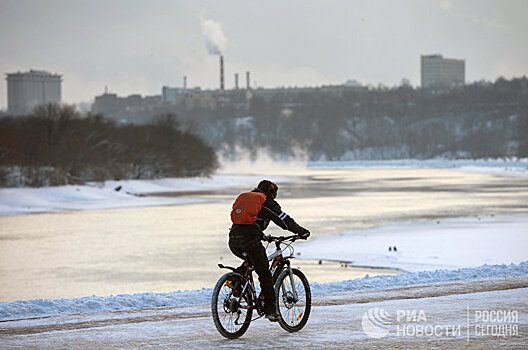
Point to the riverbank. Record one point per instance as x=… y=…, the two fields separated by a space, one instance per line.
x=143 y=193
x=121 y=194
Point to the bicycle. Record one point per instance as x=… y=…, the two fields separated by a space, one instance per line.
x=235 y=297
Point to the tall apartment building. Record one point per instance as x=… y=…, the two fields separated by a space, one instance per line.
x=442 y=72
x=27 y=90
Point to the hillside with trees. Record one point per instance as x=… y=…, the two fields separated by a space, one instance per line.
x=472 y=121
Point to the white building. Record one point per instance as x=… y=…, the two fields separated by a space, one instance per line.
x=27 y=90
x=442 y=72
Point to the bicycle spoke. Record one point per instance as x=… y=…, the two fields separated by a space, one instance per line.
x=292 y=312
x=231 y=321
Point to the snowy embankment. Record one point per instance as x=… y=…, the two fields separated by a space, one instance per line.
x=422 y=246
x=514 y=167
x=118 y=194
x=42 y=308
x=105 y=196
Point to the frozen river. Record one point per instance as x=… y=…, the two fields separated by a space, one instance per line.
x=168 y=248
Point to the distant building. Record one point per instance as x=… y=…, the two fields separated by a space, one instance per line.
x=171 y=94
x=442 y=72
x=181 y=100
x=132 y=108
x=27 y=90
x=105 y=104
x=194 y=97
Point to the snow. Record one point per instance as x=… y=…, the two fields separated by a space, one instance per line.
x=70 y=197
x=514 y=167
x=421 y=278
x=423 y=246
x=191 y=184
x=336 y=326
x=434 y=252
x=104 y=195
x=46 y=307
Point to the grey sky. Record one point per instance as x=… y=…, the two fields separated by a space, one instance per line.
x=138 y=46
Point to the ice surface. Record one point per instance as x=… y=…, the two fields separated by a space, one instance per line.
x=447 y=243
x=515 y=167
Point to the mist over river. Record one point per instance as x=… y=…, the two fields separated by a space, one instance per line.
x=169 y=248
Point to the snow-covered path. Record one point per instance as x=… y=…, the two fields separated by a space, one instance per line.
x=336 y=321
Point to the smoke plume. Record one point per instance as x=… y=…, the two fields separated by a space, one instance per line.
x=215 y=39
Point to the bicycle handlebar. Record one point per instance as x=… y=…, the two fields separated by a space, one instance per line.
x=280 y=239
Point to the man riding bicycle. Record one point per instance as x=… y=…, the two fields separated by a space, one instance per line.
x=251 y=214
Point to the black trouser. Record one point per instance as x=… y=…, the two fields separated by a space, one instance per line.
x=256 y=255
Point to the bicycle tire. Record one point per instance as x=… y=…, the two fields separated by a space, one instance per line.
x=293 y=315
x=220 y=312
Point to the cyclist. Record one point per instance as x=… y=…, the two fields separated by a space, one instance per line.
x=251 y=214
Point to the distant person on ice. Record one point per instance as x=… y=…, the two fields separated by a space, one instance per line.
x=251 y=214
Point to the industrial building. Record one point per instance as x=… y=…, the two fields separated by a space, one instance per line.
x=131 y=108
x=437 y=71
x=181 y=100
x=27 y=90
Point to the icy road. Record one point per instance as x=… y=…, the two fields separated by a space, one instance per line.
x=450 y=315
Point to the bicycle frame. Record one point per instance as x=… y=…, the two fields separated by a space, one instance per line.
x=278 y=261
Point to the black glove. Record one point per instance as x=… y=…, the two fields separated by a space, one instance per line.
x=304 y=234
x=267 y=238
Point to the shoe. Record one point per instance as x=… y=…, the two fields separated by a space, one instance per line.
x=273 y=317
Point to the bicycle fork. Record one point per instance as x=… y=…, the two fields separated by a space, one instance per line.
x=292 y=283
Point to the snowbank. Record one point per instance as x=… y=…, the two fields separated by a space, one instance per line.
x=515 y=167
x=483 y=272
x=42 y=307
x=105 y=196
x=431 y=245
x=192 y=184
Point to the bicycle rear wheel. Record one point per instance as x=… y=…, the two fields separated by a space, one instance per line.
x=294 y=310
x=231 y=316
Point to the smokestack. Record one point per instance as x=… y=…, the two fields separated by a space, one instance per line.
x=236 y=81
x=221 y=72
x=185 y=82
x=247 y=80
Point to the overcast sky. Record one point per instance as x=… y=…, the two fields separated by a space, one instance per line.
x=138 y=46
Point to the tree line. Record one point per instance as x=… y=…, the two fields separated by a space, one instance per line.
x=484 y=119
x=57 y=145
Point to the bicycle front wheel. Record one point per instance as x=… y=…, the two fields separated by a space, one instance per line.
x=231 y=311
x=294 y=300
